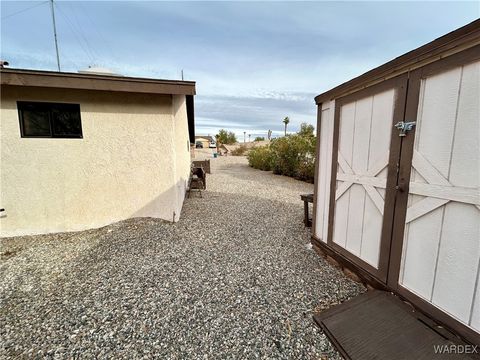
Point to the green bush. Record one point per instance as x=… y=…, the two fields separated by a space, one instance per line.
x=292 y=155
x=284 y=156
x=260 y=158
x=306 y=170
x=226 y=137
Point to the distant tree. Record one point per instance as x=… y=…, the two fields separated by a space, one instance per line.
x=306 y=130
x=259 y=138
x=286 y=121
x=226 y=137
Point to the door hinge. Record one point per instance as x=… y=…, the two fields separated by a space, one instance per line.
x=404 y=127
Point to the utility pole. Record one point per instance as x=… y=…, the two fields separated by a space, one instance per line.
x=55 y=34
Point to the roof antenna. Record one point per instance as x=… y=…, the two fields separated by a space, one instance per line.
x=55 y=34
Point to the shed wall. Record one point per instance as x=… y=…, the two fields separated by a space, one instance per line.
x=439 y=226
x=324 y=169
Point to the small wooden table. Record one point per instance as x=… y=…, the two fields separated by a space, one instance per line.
x=307 y=198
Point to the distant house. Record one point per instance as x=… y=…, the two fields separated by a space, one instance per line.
x=84 y=150
x=205 y=140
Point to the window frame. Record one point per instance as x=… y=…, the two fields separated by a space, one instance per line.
x=48 y=106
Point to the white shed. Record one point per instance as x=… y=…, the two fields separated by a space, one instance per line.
x=397 y=180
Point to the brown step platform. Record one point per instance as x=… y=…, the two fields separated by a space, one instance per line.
x=378 y=325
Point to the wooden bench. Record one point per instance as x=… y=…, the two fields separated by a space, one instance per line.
x=307 y=198
x=205 y=164
x=197 y=181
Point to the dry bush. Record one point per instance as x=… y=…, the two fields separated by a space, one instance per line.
x=239 y=151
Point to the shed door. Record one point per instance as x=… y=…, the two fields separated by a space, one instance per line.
x=440 y=258
x=365 y=157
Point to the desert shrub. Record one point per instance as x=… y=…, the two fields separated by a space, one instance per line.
x=239 y=151
x=306 y=130
x=259 y=138
x=260 y=158
x=306 y=166
x=292 y=155
x=306 y=170
x=284 y=156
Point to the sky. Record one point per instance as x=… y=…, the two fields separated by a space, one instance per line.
x=253 y=62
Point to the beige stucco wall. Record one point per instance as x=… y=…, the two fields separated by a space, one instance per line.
x=182 y=149
x=129 y=163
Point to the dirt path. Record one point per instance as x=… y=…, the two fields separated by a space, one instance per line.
x=234 y=278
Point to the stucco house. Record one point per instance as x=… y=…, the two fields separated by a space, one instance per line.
x=80 y=151
x=205 y=140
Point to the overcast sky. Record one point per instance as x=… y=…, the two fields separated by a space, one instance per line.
x=254 y=62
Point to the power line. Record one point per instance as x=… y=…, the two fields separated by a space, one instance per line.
x=95 y=27
x=78 y=36
x=80 y=27
x=74 y=32
x=23 y=10
x=67 y=60
x=81 y=33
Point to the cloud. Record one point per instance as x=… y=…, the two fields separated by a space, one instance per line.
x=254 y=62
x=255 y=114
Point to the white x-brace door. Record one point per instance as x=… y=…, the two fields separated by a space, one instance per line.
x=441 y=242
x=365 y=125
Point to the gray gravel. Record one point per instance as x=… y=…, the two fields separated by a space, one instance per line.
x=234 y=278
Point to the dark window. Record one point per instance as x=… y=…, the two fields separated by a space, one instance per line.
x=39 y=119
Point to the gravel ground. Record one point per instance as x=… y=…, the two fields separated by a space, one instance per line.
x=234 y=278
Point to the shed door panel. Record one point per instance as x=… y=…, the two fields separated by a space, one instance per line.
x=365 y=127
x=324 y=170
x=441 y=247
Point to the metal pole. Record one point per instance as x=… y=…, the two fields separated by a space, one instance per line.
x=55 y=34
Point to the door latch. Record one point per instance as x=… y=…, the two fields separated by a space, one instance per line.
x=404 y=127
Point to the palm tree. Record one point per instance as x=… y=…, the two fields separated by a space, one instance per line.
x=286 y=121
